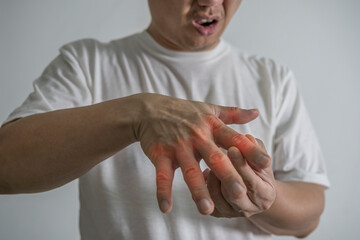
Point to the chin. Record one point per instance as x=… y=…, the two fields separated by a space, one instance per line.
x=200 y=44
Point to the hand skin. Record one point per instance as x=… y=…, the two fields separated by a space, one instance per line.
x=281 y=208
x=45 y=151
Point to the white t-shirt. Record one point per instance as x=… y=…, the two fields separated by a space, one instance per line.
x=118 y=196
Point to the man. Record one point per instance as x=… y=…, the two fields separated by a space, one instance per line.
x=99 y=109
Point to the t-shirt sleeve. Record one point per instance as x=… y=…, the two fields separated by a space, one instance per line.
x=63 y=84
x=297 y=154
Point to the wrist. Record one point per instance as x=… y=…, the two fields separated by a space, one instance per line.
x=122 y=116
x=141 y=108
x=133 y=105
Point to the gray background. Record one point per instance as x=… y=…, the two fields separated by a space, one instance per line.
x=319 y=40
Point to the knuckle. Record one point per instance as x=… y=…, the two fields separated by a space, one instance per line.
x=217 y=161
x=201 y=135
x=153 y=150
x=185 y=122
x=239 y=139
x=232 y=113
x=266 y=205
x=213 y=121
x=163 y=180
x=191 y=175
x=242 y=195
x=216 y=156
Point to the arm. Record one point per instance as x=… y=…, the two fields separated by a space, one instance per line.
x=282 y=208
x=296 y=210
x=44 y=151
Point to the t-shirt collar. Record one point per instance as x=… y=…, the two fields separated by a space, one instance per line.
x=150 y=44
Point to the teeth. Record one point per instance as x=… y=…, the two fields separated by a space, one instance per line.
x=206 y=20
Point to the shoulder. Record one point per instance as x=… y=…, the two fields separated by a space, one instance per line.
x=264 y=69
x=90 y=48
x=261 y=64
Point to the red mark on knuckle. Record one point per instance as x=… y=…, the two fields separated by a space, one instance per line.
x=217 y=161
x=213 y=122
x=191 y=175
x=163 y=180
x=239 y=139
x=155 y=151
x=242 y=142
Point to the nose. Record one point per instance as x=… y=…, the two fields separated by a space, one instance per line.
x=209 y=3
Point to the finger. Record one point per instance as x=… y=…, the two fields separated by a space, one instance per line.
x=164 y=179
x=257 y=184
x=251 y=138
x=193 y=177
x=241 y=204
x=222 y=167
x=221 y=205
x=235 y=115
x=248 y=175
x=206 y=174
x=226 y=137
x=259 y=143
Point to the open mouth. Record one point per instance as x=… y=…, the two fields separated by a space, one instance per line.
x=206 y=22
x=205 y=26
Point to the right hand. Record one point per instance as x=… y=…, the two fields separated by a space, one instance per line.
x=179 y=133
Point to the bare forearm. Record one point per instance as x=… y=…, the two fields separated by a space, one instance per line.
x=44 y=151
x=296 y=210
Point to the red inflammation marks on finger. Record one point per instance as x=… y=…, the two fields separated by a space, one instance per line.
x=243 y=143
x=160 y=151
x=251 y=138
x=218 y=162
x=163 y=180
x=191 y=176
x=156 y=151
x=213 y=122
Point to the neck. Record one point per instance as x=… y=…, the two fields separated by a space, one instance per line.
x=172 y=45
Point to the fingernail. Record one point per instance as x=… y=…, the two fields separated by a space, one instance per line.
x=255 y=111
x=237 y=189
x=164 y=206
x=204 y=205
x=263 y=160
x=234 y=154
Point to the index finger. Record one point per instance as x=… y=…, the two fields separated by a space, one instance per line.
x=226 y=137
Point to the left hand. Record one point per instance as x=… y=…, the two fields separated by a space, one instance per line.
x=258 y=187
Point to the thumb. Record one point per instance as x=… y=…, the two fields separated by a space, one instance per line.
x=235 y=115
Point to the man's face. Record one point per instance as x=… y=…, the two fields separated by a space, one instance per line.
x=190 y=25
